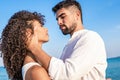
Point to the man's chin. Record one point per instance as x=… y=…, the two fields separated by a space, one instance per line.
x=65 y=33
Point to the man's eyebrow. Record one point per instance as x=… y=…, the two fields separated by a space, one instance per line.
x=60 y=16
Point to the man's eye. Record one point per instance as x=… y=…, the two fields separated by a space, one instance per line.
x=62 y=17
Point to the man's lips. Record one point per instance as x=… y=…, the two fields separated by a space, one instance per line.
x=62 y=27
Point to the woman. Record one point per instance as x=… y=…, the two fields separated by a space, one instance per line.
x=16 y=37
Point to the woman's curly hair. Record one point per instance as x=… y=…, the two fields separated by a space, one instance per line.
x=13 y=45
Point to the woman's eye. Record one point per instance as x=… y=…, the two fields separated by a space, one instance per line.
x=41 y=25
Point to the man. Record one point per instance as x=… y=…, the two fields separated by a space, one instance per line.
x=84 y=56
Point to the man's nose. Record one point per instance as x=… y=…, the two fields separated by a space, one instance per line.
x=59 y=21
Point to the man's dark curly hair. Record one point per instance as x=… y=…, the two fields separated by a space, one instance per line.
x=13 y=45
x=66 y=4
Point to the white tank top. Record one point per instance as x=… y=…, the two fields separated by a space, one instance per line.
x=26 y=67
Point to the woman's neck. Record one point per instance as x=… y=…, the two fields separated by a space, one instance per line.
x=29 y=58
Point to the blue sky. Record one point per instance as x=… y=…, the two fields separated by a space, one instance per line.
x=102 y=16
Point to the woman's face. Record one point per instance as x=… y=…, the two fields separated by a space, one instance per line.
x=40 y=31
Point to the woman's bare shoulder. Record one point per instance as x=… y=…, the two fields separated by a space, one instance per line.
x=37 y=73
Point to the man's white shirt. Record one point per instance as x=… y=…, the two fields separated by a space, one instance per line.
x=83 y=58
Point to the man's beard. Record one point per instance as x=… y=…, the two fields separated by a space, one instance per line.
x=69 y=30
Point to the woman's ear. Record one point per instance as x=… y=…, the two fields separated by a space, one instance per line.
x=29 y=36
x=28 y=33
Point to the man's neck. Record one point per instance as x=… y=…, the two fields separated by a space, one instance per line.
x=77 y=29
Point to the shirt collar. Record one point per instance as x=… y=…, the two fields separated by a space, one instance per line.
x=76 y=33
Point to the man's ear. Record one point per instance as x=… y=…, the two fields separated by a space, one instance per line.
x=78 y=14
